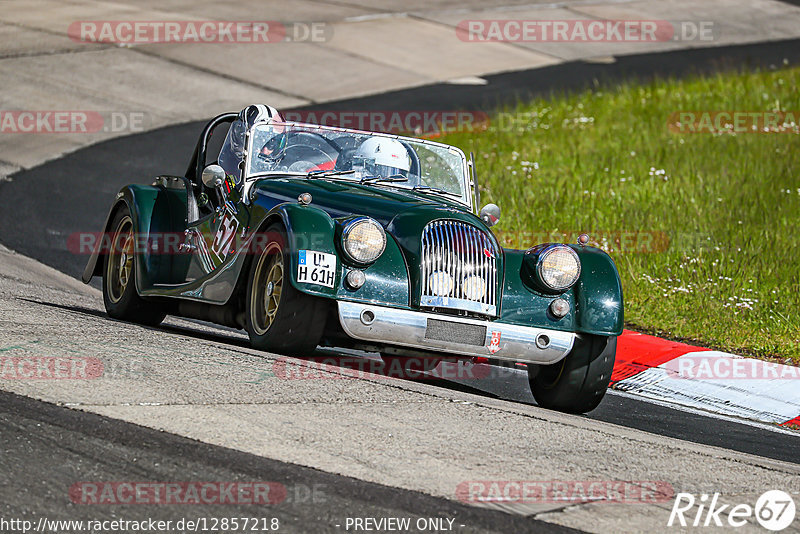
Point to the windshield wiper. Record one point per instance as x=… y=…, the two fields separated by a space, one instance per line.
x=392 y=178
x=325 y=174
x=428 y=189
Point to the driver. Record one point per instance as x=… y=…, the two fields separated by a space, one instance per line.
x=382 y=157
x=273 y=149
x=232 y=152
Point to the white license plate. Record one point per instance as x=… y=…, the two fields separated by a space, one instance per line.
x=316 y=268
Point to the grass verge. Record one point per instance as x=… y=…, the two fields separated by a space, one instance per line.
x=703 y=226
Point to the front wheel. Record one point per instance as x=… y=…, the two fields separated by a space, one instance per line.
x=279 y=317
x=577 y=383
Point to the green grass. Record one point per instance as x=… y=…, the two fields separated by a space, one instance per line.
x=603 y=161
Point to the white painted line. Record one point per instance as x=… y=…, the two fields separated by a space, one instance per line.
x=723 y=383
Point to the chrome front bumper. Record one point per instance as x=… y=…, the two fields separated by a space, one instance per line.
x=455 y=335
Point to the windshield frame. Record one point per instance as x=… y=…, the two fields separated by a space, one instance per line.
x=466 y=199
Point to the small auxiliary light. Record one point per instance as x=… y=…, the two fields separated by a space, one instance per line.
x=355 y=279
x=559 y=308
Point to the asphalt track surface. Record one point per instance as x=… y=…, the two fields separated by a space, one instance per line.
x=50 y=447
x=41 y=207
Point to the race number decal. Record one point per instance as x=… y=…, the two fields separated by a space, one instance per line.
x=316 y=268
x=494 y=344
x=224 y=236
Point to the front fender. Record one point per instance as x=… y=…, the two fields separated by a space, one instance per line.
x=596 y=305
x=311 y=228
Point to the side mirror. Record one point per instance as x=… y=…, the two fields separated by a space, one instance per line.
x=490 y=214
x=213 y=176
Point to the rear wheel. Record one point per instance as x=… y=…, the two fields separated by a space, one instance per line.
x=119 y=277
x=279 y=317
x=577 y=383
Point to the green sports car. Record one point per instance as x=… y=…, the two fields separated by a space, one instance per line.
x=308 y=235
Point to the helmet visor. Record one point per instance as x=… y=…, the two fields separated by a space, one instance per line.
x=274 y=147
x=374 y=169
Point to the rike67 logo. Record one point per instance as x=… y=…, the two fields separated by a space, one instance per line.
x=774 y=510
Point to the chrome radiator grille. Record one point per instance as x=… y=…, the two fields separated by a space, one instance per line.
x=459 y=268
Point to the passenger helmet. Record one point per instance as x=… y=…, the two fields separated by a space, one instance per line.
x=382 y=157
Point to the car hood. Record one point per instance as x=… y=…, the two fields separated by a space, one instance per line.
x=340 y=199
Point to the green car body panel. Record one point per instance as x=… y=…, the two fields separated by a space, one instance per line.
x=393 y=280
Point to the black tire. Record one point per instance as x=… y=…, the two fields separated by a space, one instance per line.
x=577 y=383
x=291 y=322
x=119 y=277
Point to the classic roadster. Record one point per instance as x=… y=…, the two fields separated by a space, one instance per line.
x=307 y=235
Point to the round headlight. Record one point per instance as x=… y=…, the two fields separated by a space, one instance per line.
x=440 y=283
x=364 y=240
x=474 y=287
x=559 y=267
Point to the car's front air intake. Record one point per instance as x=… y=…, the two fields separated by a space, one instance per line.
x=459 y=268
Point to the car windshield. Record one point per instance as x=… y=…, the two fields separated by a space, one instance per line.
x=384 y=160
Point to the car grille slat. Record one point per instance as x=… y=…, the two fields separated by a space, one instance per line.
x=464 y=255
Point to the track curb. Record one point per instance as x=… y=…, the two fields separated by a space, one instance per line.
x=705 y=379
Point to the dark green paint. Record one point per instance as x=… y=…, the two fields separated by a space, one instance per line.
x=393 y=280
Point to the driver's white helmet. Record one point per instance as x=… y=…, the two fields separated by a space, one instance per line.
x=383 y=157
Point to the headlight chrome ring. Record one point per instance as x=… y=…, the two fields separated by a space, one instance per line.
x=558 y=267
x=363 y=240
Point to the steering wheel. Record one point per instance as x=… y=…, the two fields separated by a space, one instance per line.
x=305 y=158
